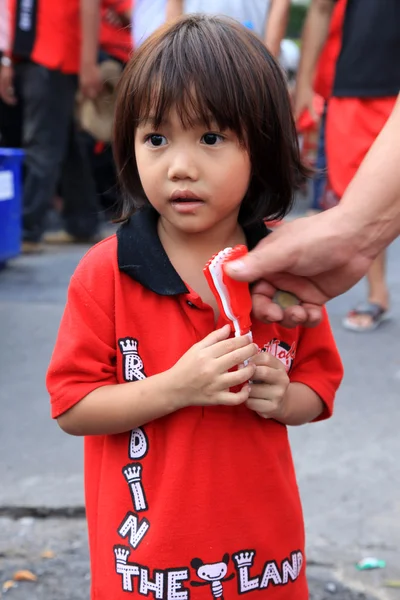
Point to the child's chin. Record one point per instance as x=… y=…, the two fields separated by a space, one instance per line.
x=191 y=224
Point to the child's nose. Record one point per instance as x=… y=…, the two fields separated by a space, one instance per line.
x=182 y=166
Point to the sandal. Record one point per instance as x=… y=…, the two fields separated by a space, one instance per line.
x=377 y=314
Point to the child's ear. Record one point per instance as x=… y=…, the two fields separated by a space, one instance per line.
x=225 y=558
x=196 y=563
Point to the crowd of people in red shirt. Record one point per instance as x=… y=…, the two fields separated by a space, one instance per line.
x=67 y=159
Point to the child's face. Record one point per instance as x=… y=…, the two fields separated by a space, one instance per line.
x=195 y=178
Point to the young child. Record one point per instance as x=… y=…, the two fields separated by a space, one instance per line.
x=190 y=486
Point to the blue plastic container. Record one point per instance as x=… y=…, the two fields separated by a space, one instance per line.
x=10 y=202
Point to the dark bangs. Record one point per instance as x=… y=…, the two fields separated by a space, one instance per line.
x=212 y=69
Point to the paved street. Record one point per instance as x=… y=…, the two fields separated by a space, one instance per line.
x=348 y=468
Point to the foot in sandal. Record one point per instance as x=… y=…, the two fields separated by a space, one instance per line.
x=365 y=317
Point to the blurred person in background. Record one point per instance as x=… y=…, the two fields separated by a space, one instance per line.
x=145 y=17
x=10 y=114
x=267 y=18
x=323 y=84
x=104 y=55
x=115 y=30
x=43 y=62
x=366 y=85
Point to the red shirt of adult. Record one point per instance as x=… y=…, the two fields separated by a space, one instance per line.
x=115 y=40
x=325 y=73
x=47 y=32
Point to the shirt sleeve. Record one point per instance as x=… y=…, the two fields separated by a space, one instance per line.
x=84 y=356
x=318 y=364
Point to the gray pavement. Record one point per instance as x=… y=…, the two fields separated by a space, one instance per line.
x=347 y=467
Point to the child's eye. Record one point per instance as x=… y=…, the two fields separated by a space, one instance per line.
x=211 y=139
x=156 y=140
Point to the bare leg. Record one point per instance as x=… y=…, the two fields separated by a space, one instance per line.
x=378 y=292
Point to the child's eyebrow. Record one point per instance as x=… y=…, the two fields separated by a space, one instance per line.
x=151 y=121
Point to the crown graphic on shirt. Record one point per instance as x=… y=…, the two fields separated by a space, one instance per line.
x=128 y=345
x=121 y=554
x=132 y=473
x=244 y=559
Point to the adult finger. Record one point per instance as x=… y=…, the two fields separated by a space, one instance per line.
x=315 y=315
x=265 y=310
x=294 y=316
x=254 y=265
x=307 y=315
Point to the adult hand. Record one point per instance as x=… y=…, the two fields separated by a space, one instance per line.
x=303 y=100
x=90 y=80
x=316 y=258
x=7 y=90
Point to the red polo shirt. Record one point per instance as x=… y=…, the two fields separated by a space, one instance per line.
x=47 y=32
x=203 y=502
x=325 y=72
x=115 y=40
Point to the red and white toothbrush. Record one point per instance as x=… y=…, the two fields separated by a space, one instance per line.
x=233 y=297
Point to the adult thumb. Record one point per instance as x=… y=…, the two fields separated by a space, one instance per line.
x=263 y=261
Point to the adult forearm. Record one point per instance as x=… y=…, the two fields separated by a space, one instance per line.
x=174 y=9
x=302 y=405
x=315 y=32
x=90 y=22
x=371 y=203
x=118 y=408
x=276 y=25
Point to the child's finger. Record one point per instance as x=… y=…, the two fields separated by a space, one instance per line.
x=267 y=375
x=215 y=336
x=234 y=398
x=238 y=377
x=230 y=345
x=236 y=357
x=262 y=407
x=264 y=393
x=266 y=359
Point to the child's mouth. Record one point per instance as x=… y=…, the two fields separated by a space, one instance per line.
x=188 y=200
x=186 y=205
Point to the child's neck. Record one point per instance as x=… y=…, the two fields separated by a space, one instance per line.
x=189 y=252
x=200 y=245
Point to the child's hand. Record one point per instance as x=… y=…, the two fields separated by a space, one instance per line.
x=201 y=377
x=267 y=393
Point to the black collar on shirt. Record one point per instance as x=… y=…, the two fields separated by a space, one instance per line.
x=142 y=256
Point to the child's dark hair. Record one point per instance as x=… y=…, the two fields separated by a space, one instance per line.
x=213 y=69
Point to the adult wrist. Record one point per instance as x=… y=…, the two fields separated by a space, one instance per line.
x=357 y=229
